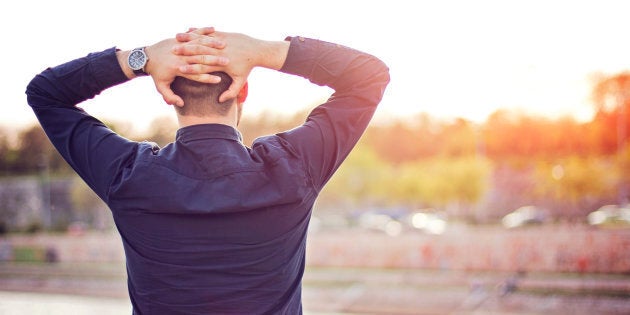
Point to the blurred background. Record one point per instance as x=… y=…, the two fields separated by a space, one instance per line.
x=495 y=178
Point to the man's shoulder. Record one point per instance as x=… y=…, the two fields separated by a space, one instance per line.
x=273 y=147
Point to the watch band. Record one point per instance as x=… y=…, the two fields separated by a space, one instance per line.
x=140 y=72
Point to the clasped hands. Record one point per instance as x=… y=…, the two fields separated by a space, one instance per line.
x=194 y=55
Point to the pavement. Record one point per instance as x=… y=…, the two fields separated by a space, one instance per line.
x=20 y=303
x=101 y=289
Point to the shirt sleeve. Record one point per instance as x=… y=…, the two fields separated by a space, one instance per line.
x=333 y=128
x=93 y=150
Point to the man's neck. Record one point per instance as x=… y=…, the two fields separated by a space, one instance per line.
x=185 y=121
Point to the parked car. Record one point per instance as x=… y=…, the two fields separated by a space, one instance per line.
x=428 y=221
x=610 y=215
x=378 y=221
x=523 y=216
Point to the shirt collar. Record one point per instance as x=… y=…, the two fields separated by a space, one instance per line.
x=208 y=131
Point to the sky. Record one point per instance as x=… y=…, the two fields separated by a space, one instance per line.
x=447 y=58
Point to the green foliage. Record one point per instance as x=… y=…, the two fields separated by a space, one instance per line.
x=441 y=180
x=361 y=179
x=578 y=181
x=28 y=254
x=365 y=178
x=574 y=177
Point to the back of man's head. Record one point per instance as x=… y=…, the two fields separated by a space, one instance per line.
x=202 y=99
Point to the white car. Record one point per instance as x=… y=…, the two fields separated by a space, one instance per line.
x=526 y=215
x=610 y=215
x=428 y=222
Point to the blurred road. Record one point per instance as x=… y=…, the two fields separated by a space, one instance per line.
x=20 y=303
x=101 y=289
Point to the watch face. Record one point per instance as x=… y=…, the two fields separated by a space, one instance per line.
x=137 y=59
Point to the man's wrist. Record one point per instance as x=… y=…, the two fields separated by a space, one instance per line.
x=122 y=56
x=274 y=54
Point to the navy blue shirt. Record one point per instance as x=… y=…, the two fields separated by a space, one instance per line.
x=208 y=224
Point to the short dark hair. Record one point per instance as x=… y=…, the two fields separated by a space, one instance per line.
x=202 y=99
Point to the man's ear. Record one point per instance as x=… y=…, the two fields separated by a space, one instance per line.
x=242 y=94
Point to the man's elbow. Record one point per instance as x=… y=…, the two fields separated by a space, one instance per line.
x=381 y=77
x=381 y=73
x=34 y=87
x=37 y=90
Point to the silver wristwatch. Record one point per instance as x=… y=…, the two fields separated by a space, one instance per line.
x=137 y=60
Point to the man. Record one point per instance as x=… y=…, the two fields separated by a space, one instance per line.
x=209 y=225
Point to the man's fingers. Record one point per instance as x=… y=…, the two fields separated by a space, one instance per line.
x=228 y=95
x=209 y=41
x=198 y=47
x=202 y=30
x=232 y=91
x=208 y=60
x=201 y=64
x=185 y=37
x=203 y=78
x=189 y=37
x=168 y=95
x=194 y=33
x=198 y=68
x=190 y=49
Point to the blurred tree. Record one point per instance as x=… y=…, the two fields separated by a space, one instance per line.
x=459 y=138
x=34 y=148
x=36 y=153
x=5 y=153
x=569 y=137
x=611 y=96
x=362 y=180
x=442 y=182
x=365 y=180
x=576 y=184
x=89 y=208
x=511 y=135
x=403 y=141
x=398 y=143
x=623 y=166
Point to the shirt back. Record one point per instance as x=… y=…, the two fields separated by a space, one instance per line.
x=211 y=226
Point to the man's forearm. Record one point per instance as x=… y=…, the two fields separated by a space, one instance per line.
x=273 y=54
x=73 y=82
